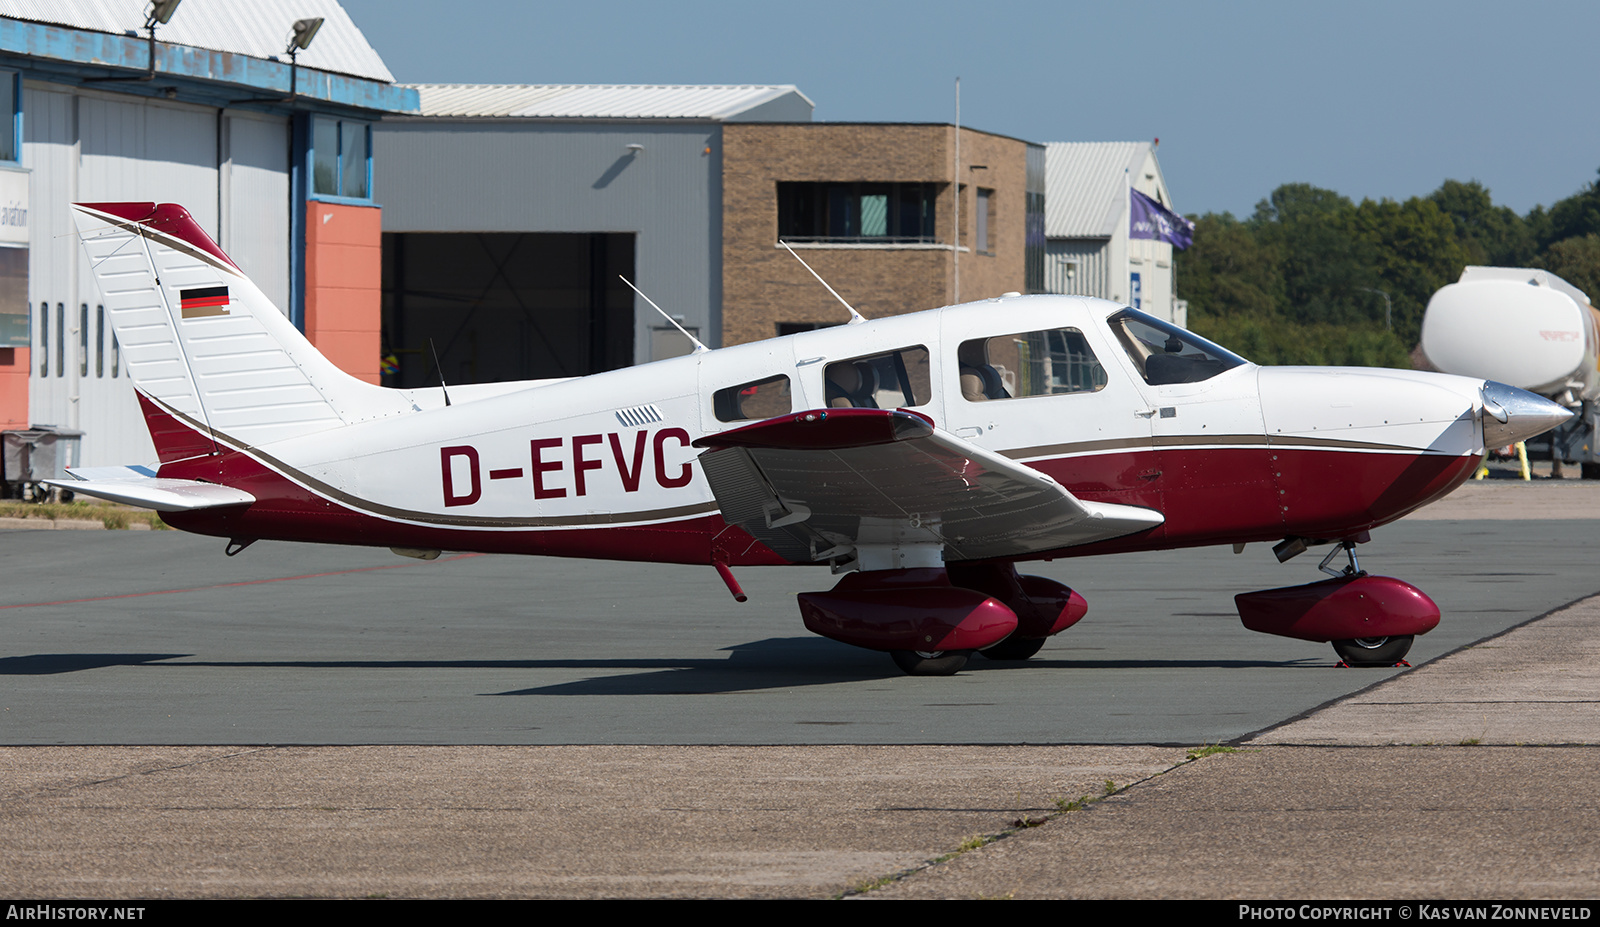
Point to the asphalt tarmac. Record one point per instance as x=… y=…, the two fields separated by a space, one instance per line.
x=709 y=749
x=158 y=638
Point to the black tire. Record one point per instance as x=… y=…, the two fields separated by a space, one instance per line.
x=936 y=663
x=1014 y=648
x=1374 y=651
x=1590 y=471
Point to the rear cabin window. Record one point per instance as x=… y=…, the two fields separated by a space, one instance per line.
x=1165 y=353
x=892 y=380
x=756 y=401
x=1043 y=363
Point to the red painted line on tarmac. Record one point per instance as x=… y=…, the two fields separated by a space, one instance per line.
x=250 y=582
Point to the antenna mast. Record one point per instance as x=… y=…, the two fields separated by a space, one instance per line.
x=855 y=317
x=698 y=347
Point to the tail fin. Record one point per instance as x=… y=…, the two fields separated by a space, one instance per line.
x=203 y=343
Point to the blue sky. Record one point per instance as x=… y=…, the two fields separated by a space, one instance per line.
x=1369 y=99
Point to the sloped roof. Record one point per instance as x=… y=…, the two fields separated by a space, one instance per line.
x=1085 y=185
x=599 y=101
x=258 y=28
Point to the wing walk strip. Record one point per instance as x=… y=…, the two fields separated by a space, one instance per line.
x=455 y=521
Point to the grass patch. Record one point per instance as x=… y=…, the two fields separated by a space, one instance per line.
x=114 y=517
x=1024 y=822
x=967 y=845
x=1065 y=805
x=1209 y=750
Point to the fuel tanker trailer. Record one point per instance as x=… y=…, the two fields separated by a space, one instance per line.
x=1526 y=328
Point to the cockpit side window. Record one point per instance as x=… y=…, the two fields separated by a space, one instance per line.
x=892 y=380
x=756 y=401
x=1042 y=363
x=1166 y=354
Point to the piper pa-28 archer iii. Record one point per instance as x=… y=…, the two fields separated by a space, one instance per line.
x=922 y=455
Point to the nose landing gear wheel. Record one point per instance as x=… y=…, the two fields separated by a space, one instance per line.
x=930 y=663
x=1373 y=651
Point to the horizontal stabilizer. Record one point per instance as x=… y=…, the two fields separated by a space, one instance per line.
x=136 y=486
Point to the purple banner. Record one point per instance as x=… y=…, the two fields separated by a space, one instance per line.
x=1152 y=220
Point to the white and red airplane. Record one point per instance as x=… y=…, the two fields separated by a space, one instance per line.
x=921 y=455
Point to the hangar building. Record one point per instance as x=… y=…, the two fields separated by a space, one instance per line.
x=201 y=114
x=511 y=211
x=1089 y=252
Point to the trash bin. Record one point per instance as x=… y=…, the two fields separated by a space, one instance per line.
x=42 y=452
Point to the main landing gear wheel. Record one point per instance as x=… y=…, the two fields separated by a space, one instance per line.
x=931 y=663
x=1014 y=648
x=1374 y=651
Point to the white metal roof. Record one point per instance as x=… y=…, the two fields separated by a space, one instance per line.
x=258 y=28
x=1085 y=185
x=601 y=101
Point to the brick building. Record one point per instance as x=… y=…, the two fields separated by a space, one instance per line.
x=509 y=262
x=872 y=208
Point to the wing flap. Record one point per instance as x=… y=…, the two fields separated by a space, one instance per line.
x=828 y=480
x=136 y=486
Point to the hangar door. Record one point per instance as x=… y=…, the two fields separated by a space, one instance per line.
x=505 y=305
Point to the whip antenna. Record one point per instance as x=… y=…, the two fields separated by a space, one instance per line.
x=440 y=370
x=698 y=347
x=855 y=317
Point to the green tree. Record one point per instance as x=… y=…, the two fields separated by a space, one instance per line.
x=1325 y=262
x=1577 y=261
x=1494 y=235
x=1227 y=272
x=1574 y=217
x=1415 y=251
x=1300 y=281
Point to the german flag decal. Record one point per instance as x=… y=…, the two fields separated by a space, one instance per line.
x=204 y=301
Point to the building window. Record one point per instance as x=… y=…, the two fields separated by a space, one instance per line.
x=877 y=213
x=11 y=113
x=984 y=220
x=341 y=158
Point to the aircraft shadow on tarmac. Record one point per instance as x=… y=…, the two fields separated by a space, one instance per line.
x=48 y=664
x=779 y=662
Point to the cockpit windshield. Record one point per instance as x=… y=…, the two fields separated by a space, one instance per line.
x=1165 y=353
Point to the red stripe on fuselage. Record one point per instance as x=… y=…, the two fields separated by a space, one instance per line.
x=1208 y=495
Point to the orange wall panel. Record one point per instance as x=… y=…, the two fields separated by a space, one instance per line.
x=14 y=388
x=344 y=280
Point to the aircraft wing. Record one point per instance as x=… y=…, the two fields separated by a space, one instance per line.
x=819 y=485
x=141 y=487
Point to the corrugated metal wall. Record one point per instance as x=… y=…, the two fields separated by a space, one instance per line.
x=87 y=146
x=255 y=204
x=520 y=176
x=1077 y=267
